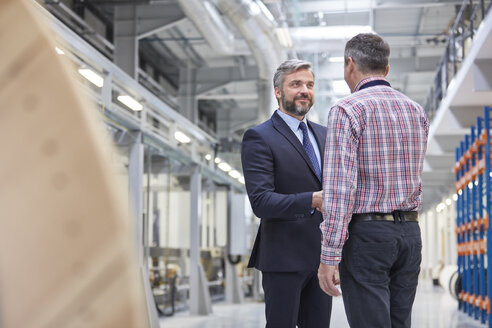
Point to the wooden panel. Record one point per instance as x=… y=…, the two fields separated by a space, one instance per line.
x=66 y=255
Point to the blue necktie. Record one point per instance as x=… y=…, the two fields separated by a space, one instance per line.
x=308 y=147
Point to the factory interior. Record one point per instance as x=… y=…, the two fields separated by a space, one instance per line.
x=124 y=198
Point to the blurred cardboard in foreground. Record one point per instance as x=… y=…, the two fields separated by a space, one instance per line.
x=66 y=254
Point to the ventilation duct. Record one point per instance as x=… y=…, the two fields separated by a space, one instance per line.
x=256 y=28
x=258 y=31
x=207 y=20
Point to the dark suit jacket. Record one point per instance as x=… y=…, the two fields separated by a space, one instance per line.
x=280 y=180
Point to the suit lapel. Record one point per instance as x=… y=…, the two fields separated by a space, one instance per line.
x=282 y=127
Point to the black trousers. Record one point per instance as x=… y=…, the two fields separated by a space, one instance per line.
x=295 y=298
x=379 y=273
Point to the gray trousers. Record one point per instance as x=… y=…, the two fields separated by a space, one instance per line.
x=379 y=273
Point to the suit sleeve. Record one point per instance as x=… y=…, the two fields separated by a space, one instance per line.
x=259 y=175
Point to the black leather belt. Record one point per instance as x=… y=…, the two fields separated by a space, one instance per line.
x=395 y=216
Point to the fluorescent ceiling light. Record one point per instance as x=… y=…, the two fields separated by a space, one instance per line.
x=265 y=11
x=130 y=102
x=329 y=32
x=208 y=157
x=440 y=207
x=92 y=76
x=336 y=59
x=455 y=197
x=235 y=174
x=181 y=137
x=59 y=51
x=340 y=87
x=241 y=179
x=283 y=37
x=224 y=166
x=448 y=201
x=217 y=160
x=255 y=9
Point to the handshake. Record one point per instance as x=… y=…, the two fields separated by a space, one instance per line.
x=317 y=201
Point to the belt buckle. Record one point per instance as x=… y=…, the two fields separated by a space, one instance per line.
x=398 y=216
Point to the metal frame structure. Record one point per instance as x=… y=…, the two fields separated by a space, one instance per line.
x=152 y=127
x=474 y=205
x=116 y=81
x=462 y=30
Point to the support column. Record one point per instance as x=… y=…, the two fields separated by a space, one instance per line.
x=187 y=94
x=451 y=234
x=236 y=246
x=126 y=39
x=133 y=22
x=435 y=247
x=233 y=284
x=106 y=91
x=200 y=303
x=135 y=185
x=147 y=217
x=267 y=103
x=431 y=241
x=223 y=123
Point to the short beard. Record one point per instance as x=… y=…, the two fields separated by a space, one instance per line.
x=291 y=107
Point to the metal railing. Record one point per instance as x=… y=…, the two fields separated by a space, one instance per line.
x=461 y=34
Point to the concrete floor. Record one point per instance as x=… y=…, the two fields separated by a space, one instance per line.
x=433 y=308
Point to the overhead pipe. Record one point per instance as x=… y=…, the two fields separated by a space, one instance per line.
x=258 y=31
x=207 y=20
x=256 y=28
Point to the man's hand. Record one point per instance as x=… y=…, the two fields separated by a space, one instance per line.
x=317 y=201
x=328 y=278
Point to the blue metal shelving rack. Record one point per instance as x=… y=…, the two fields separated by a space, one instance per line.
x=488 y=191
x=474 y=205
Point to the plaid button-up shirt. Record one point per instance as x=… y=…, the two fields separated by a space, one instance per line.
x=374 y=156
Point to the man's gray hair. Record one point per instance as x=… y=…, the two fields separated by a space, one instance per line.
x=287 y=67
x=369 y=52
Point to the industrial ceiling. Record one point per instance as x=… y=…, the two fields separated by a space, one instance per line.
x=213 y=60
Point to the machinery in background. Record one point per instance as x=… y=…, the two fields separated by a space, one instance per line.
x=171 y=287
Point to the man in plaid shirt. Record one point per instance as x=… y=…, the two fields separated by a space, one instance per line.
x=374 y=153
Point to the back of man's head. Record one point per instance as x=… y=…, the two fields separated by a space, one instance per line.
x=369 y=52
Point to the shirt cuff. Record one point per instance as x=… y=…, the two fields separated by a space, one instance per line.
x=330 y=256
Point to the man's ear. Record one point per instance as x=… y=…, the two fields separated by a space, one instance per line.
x=387 y=70
x=350 y=64
x=278 y=93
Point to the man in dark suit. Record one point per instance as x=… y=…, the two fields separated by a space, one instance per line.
x=281 y=161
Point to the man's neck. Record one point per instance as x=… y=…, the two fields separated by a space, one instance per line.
x=361 y=77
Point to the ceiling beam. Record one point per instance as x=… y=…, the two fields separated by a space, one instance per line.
x=341 y=6
x=222 y=96
x=209 y=78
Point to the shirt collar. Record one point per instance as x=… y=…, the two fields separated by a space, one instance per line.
x=368 y=79
x=292 y=122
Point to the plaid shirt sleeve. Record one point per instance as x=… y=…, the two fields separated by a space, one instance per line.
x=339 y=183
